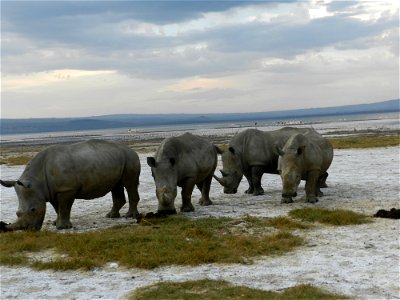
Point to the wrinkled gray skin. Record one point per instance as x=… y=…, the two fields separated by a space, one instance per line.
x=252 y=153
x=62 y=173
x=304 y=157
x=183 y=161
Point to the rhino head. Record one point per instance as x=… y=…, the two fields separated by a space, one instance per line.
x=289 y=167
x=31 y=205
x=232 y=172
x=165 y=176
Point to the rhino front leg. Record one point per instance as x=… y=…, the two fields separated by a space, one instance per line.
x=187 y=190
x=248 y=176
x=65 y=201
x=205 y=191
x=256 y=174
x=119 y=200
x=312 y=186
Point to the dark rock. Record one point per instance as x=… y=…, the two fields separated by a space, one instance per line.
x=3 y=227
x=391 y=214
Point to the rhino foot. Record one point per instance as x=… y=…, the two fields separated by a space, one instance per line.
x=287 y=200
x=312 y=199
x=320 y=193
x=113 y=215
x=130 y=214
x=249 y=191
x=258 y=192
x=205 y=202
x=66 y=225
x=187 y=208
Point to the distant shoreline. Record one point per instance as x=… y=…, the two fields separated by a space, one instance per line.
x=140 y=122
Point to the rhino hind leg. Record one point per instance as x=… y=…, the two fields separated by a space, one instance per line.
x=65 y=201
x=322 y=180
x=204 y=187
x=119 y=200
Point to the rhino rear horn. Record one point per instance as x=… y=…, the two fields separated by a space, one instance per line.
x=8 y=183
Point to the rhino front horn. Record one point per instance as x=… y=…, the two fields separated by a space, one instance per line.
x=220 y=180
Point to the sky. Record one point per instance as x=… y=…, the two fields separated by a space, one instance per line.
x=88 y=58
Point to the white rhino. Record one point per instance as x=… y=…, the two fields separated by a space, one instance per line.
x=62 y=173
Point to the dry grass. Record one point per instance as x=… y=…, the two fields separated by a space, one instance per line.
x=365 y=142
x=218 y=289
x=169 y=241
x=337 y=217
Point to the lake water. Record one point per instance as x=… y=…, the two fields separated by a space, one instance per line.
x=323 y=124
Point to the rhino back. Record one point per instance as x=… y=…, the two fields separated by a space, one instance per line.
x=90 y=169
x=257 y=148
x=194 y=155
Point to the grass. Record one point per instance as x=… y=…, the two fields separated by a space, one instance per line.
x=337 y=217
x=365 y=142
x=16 y=160
x=170 y=241
x=219 y=289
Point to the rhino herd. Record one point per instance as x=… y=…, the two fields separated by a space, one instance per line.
x=87 y=170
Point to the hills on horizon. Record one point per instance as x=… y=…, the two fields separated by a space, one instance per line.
x=21 y=126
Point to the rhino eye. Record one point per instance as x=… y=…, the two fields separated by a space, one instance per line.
x=33 y=209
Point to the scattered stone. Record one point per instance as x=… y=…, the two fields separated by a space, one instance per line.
x=3 y=227
x=391 y=214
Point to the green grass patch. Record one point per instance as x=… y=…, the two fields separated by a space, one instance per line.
x=219 y=289
x=16 y=160
x=153 y=243
x=337 y=217
x=365 y=142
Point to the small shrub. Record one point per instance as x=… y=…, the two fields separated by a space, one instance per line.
x=337 y=217
x=219 y=289
x=365 y=142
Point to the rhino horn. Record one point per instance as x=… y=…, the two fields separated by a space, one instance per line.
x=8 y=183
x=220 y=180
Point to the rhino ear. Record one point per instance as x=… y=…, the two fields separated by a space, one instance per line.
x=279 y=151
x=300 y=150
x=172 y=161
x=8 y=183
x=232 y=150
x=151 y=162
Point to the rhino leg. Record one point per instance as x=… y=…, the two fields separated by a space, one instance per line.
x=204 y=187
x=322 y=180
x=248 y=176
x=65 y=201
x=187 y=190
x=134 y=198
x=312 y=186
x=118 y=197
x=256 y=174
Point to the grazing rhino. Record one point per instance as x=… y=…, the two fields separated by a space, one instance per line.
x=252 y=153
x=62 y=173
x=183 y=161
x=304 y=157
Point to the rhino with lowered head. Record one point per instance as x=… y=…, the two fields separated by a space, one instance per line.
x=252 y=153
x=62 y=173
x=304 y=157
x=183 y=161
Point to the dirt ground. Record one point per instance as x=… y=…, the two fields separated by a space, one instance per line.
x=360 y=261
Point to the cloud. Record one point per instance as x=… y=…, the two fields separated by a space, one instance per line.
x=201 y=54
